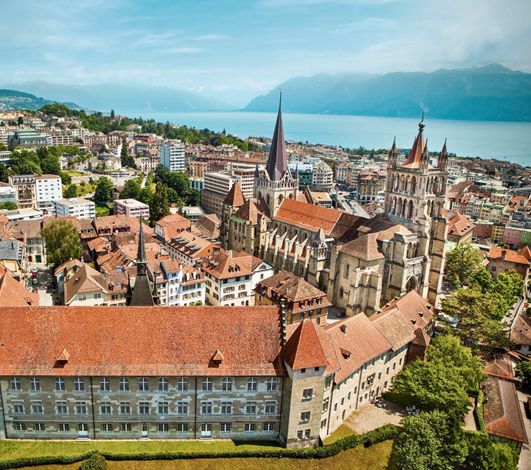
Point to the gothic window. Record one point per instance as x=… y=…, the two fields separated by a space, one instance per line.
x=410 y=210
x=413 y=188
x=412 y=284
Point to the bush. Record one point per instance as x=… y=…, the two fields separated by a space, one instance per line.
x=36 y=461
x=95 y=462
x=479 y=413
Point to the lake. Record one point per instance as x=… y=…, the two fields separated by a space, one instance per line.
x=503 y=140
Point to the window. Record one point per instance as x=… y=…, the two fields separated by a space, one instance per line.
x=163 y=384
x=300 y=434
x=61 y=408
x=305 y=416
x=59 y=384
x=164 y=408
x=106 y=427
x=269 y=426
x=143 y=407
x=125 y=408
x=270 y=407
x=35 y=385
x=252 y=384
x=346 y=271
x=182 y=384
x=207 y=384
x=226 y=408
x=124 y=384
x=326 y=403
x=307 y=394
x=143 y=384
x=15 y=384
x=205 y=427
x=126 y=427
x=79 y=384
x=250 y=427
x=250 y=408
x=18 y=426
x=64 y=427
x=182 y=408
x=323 y=424
x=164 y=427
x=182 y=427
x=206 y=408
x=307 y=433
x=105 y=408
x=342 y=401
x=271 y=384
x=105 y=384
x=328 y=382
x=18 y=407
x=81 y=407
x=303 y=370
x=226 y=384
x=39 y=427
x=225 y=427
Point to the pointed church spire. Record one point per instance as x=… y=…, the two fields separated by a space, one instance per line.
x=235 y=197
x=141 y=260
x=277 y=163
x=415 y=156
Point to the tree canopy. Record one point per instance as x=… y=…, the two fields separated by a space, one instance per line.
x=104 y=191
x=62 y=242
x=462 y=263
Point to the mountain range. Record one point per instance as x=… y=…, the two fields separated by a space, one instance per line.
x=125 y=98
x=492 y=93
x=12 y=99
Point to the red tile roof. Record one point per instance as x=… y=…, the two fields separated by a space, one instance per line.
x=174 y=341
x=228 y=264
x=307 y=216
x=172 y=225
x=235 y=196
x=13 y=293
x=501 y=367
x=304 y=349
x=504 y=254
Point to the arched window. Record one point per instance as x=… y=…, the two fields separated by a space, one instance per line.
x=412 y=284
x=413 y=188
x=410 y=210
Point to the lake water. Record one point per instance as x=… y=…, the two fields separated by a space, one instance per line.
x=503 y=140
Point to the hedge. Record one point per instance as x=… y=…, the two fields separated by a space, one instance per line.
x=384 y=433
x=95 y=462
x=479 y=413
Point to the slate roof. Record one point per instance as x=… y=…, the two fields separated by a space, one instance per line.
x=277 y=162
x=11 y=250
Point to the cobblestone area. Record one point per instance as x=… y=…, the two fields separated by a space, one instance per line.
x=371 y=417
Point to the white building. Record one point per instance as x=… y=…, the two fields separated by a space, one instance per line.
x=177 y=284
x=323 y=177
x=131 y=208
x=215 y=189
x=172 y=155
x=48 y=189
x=231 y=277
x=75 y=207
x=245 y=175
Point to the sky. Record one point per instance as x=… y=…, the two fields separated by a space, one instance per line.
x=234 y=50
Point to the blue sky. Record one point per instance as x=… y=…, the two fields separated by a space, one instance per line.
x=234 y=50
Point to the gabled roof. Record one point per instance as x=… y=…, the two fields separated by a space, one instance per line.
x=141 y=341
x=307 y=216
x=235 y=196
x=85 y=280
x=500 y=367
x=292 y=287
x=521 y=330
x=228 y=264
x=364 y=247
x=304 y=350
x=413 y=308
x=501 y=410
x=504 y=254
x=251 y=210
x=13 y=293
x=172 y=225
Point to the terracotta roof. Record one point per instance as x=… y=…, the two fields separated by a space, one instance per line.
x=394 y=327
x=304 y=349
x=193 y=246
x=360 y=338
x=413 y=308
x=175 y=341
x=525 y=252
x=172 y=225
x=228 y=264
x=307 y=216
x=252 y=210
x=235 y=196
x=521 y=330
x=458 y=224
x=84 y=280
x=415 y=155
x=504 y=254
x=292 y=287
x=389 y=233
x=23 y=229
x=501 y=410
x=13 y=293
x=72 y=263
x=457 y=190
x=364 y=247
x=501 y=367
x=207 y=226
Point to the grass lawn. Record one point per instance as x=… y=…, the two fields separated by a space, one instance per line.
x=361 y=458
x=17 y=449
x=341 y=432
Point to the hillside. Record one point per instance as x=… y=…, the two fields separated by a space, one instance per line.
x=12 y=99
x=491 y=93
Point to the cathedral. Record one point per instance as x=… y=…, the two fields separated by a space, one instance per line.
x=361 y=263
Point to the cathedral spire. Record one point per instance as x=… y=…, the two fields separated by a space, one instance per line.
x=141 y=260
x=415 y=156
x=277 y=162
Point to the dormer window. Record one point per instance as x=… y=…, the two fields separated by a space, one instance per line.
x=345 y=353
x=217 y=357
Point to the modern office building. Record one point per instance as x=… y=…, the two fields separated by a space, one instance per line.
x=131 y=208
x=172 y=155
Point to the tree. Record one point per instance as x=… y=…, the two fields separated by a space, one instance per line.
x=462 y=263
x=112 y=114
x=10 y=206
x=159 y=207
x=482 y=279
x=71 y=191
x=104 y=191
x=509 y=285
x=523 y=372
x=428 y=441
x=62 y=242
x=485 y=454
x=20 y=120
x=66 y=179
x=131 y=189
x=50 y=164
x=447 y=350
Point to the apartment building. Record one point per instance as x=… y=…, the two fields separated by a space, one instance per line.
x=172 y=155
x=75 y=207
x=216 y=186
x=48 y=189
x=176 y=284
x=25 y=187
x=322 y=177
x=190 y=248
x=370 y=185
x=131 y=208
x=28 y=138
x=231 y=277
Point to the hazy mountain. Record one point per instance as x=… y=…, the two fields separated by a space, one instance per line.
x=12 y=99
x=133 y=99
x=491 y=93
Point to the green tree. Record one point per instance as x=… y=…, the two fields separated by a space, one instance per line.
x=462 y=263
x=482 y=279
x=112 y=114
x=159 y=207
x=448 y=351
x=523 y=372
x=131 y=189
x=509 y=285
x=50 y=164
x=104 y=191
x=20 y=120
x=66 y=179
x=428 y=441
x=71 y=191
x=485 y=454
x=4 y=173
x=10 y=206
x=62 y=242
